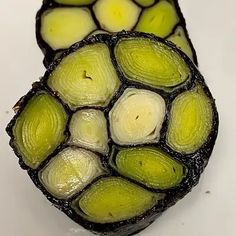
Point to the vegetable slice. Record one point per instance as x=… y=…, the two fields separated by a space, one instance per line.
x=159 y=19
x=152 y=63
x=70 y=171
x=116 y=15
x=191 y=121
x=180 y=40
x=145 y=3
x=88 y=129
x=39 y=129
x=137 y=117
x=75 y=2
x=114 y=199
x=86 y=77
x=63 y=26
x=150 y=166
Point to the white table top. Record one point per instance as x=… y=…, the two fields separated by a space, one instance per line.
x=24 y=211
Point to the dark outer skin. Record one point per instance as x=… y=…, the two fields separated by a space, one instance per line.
x=195 y=162
x=50 y=4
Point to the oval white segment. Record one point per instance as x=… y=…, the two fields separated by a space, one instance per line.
x=137 y=117
x=70 y=171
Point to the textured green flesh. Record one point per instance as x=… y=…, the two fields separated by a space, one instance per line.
x=149 y=166
x=62 y=27
x=180 y=40
x=75 y=2
x=39 y=129
x=159 y=19
x=116 y=15
x=114 y=199
x=151 y=63
x=134 y=181
x=191 y=121
x=137 y=117
x=79 y=82
x=88 y=128
x=145 y=3
x=70 y=171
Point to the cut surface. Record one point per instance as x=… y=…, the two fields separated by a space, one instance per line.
x=159 y=19
x=39 y=129
x=190 y=121
x=85 y=77
x=116 y=15
x=70 y=171
x=137 y=117
x=62 y=27
x=75 y=2
x=150 y=166
x=88 y=129
x=115 y=199
x=151 y=63
x=180 y=40
x=145 y=3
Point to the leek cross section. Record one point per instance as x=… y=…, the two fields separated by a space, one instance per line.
x=62 y=23
x=118 y=129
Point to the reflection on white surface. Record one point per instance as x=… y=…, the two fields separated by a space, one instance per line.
x=24 y=211
x=78 y=232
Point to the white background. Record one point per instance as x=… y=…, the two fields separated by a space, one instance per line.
x=24 y=211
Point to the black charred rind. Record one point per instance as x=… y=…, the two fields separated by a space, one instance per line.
x=183 y=24
x=50 y=4
x=195 y=162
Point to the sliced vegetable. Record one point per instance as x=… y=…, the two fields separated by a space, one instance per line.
x=115 y=199
x=191 y=121
x=137 y=117
x=150 y=166
x=116 y=15
x=63 y=26
x=86 y=77
x=70 y=171
x=88 y=129
x=151 y=63
x=180 y=40
x=159 y=19
x=39 y=129
x=109 y=147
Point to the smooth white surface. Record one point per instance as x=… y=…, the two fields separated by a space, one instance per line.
x=24 y=211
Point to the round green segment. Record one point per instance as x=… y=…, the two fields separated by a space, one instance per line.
x=150 y=166
x=159 y=19
x=145 y=3
x=180 y=40
x=63 y=26
x=39 y=129
x=137 y=117
x=191 y=121
x=70 y=171
x=75 y=2
x=86 y=77
x=115 y=199
x=88 y=129
x=116 y=15
x=151 y=62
